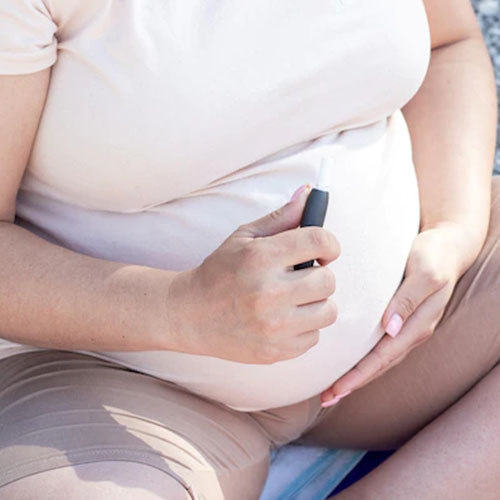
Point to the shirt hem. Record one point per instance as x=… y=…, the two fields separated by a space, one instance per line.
x=18 y=67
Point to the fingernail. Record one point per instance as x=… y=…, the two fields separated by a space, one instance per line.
x=395 y=324
x=298 y=191
x=336 y=399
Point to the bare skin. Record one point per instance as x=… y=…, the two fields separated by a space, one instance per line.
x=452 y=131
x=452 y=121
x=455 y=457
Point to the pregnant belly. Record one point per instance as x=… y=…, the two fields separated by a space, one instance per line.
x=374 y=213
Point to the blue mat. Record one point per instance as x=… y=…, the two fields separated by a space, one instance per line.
x=370 y=460
x=299 y=472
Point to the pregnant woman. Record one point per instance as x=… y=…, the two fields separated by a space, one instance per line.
x=156 y=341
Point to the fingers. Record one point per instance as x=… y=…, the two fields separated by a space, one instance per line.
x=377 y=359
x=313 y=316
x=413 y=291
x=300 y=344
x=310 y=284
x=303 y=244
x=391 y=351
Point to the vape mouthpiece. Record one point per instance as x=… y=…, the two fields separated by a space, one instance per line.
x=325 y=174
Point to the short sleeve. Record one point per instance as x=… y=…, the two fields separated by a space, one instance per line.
x=27 y=36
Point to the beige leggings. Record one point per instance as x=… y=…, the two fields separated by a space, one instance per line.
x=73 y=426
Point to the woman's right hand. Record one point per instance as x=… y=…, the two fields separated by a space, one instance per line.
x=246 y=303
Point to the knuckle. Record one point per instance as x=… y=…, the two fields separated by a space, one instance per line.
x=424 y=334
x=314 y=338
x=407 y=304
x=264 y=296
x=318 y=236
x=362 y=372
x=311 y=340
x=329 y=282
x=273 y=292
x=256 y=302
x=290 y=354
x=261 y=326
x=432 y=277
x=268 y=355
x=253 y=254
x=333 y=242
x=240 y=229
x=382 y=362
x=331 y=312
x=271 y=325
x=386 y=363
x=276 y=214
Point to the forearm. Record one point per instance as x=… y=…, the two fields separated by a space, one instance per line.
x=452 y=121
x=55 y=298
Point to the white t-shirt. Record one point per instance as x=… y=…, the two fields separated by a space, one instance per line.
x=169 y=124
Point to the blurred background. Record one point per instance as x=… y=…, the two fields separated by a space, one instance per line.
x=488 y=14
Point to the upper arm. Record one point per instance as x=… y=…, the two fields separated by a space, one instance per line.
x=28 y=47
x=21 y=103
x=451 y=21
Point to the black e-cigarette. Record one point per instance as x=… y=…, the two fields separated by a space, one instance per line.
x=317 y=203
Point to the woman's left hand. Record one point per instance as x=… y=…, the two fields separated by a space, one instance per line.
x=437 y=259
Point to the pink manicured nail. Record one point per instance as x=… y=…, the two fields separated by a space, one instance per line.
x=395 y=324
x=336 y=399
x=298 y=191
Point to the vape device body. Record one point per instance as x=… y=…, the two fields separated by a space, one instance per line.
x=317 y=203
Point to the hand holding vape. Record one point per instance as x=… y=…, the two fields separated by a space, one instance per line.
x=317 y=203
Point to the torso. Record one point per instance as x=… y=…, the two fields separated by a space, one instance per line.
x=169 y=124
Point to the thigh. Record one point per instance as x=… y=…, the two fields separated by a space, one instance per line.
x=465 y=346
x=60 y=410
x=97 y=480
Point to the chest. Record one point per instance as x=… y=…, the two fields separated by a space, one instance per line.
x=150 y=100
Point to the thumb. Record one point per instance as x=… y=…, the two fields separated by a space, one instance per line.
x=287 y=216
x=411 y=293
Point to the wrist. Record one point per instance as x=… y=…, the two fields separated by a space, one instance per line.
x=466 y=240
x=149 y=307
x=171 y=309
